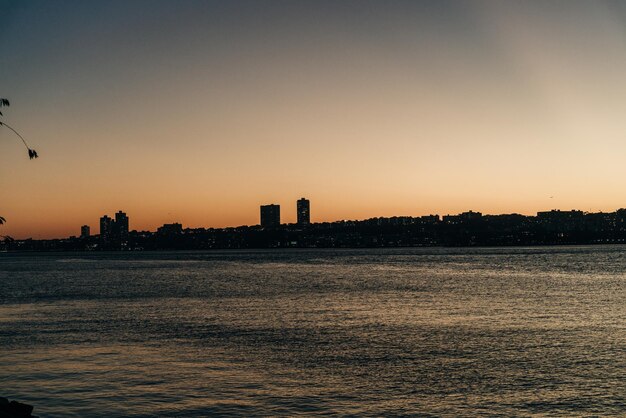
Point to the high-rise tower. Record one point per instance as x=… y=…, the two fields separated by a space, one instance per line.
x=121 y=226
x=304 y=211
x=270 y=216
x=106 y=224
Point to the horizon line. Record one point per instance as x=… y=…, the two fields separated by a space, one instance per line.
x=339 y=220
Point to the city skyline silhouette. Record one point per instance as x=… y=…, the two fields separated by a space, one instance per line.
x=468 y=228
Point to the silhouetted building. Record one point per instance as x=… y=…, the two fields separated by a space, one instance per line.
x=85 y=231
x=106 y=232
x=304 y=211
x=170 y=229
x=270 y=216
x=120 y=226
x=560 y=215
x=462 y=218
x=114 y=233
x=430 y=219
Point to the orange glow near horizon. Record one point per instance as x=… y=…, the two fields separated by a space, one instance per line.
x=402 y=110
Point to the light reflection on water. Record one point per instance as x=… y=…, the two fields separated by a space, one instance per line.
x=436 y=332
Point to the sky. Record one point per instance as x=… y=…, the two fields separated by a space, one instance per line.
x=200 y=111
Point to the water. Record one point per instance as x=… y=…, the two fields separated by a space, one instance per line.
x=428 y=332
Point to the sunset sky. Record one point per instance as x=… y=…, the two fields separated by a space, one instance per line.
x=199 y=111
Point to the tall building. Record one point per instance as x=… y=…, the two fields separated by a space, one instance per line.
x=85 y=231
x=106 y=224
x=270 y=216
x=304 y=211
x=121 y=226
x=114 y=232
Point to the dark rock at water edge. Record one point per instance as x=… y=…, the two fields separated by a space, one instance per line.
x=14 y=409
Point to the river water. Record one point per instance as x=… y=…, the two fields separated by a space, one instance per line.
x=429 y=332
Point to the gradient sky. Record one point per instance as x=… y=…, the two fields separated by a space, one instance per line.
x=200 y=111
